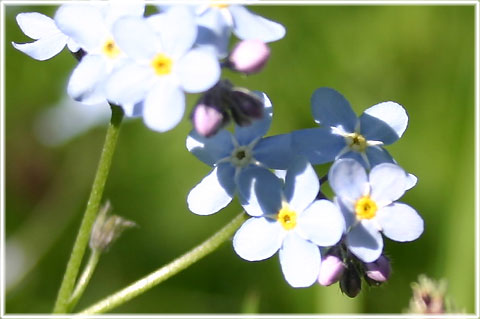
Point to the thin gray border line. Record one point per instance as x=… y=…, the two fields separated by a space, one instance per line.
x=264 y=2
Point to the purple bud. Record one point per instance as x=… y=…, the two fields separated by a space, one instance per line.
x=331 y=270
x=245 y=106
x=249 y=56
x=207 y=120
x=379 y=270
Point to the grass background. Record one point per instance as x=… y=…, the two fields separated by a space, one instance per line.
x=419 y=56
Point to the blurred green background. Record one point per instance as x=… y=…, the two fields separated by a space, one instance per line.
x=419 y=56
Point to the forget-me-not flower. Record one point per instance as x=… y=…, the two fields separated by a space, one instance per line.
x=344 y=135
x=288 y=219
x=49 y=40
x=90 y=25
x=229 y=155
x=162 y=66
x=217 y=20
x=369 y=207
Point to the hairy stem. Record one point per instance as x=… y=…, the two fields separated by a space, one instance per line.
x=73 y=265
x=142 y=285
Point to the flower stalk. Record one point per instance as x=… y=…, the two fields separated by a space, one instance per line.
x=83 y=236
x=158 y=276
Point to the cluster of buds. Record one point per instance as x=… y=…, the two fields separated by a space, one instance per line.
x=429 y=297
x=224 y=101
x=339 y=265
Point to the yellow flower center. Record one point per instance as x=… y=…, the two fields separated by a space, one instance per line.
x=365 y=208
x=356 y=142
x=218 y=4
x=287 y=217
x=162 y=64
x=110 y=49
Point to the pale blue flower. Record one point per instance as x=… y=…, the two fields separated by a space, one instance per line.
x=162 y=66
x=288 y=219
x=229 y=155
x=369 y=207
x=216 y=21
x=49 y=40
x=344 y=135
x=90 y=25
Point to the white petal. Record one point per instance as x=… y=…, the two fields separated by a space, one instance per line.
x=365 y=241
x=411 y=181
x=164 y=106
x=395 y=118
x=348 y=179
x=44 y=48
x=118 y=9
x=198 y=71
x=210 y=149
x=87 y=81
x=258 y=239
x=214 y=192
x=322 y=223
x=36 y=25
x=400 y=222
x=136 y=38
x=300 y=260
x=84 y=23
x=130 y=84
x=301 y=184
x=388 y=183
x=248 y=25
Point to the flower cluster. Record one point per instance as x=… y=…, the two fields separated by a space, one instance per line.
x=146 y=64
x=317 y=239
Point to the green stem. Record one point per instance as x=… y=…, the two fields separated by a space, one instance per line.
x=142 y=285
x=73 y=265
x=84 y=278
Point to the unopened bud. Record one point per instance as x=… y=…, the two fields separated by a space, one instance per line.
x=208 y=119
x=249 y=56
x=107 y=228
x=429 y=297
x=351 y=283
x=379 y=271
x=246 y=106
x=331 y=270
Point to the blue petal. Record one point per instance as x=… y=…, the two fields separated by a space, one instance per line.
x=274 y=151
x=247 y=25
x=300 y=260
x=213 y=32
x=384 y=122
x=377 y=155
x=348 y=179
x=330 y=108
x=387 y=183
x=319 y=145
x=258 y=239
x=86 y=83
x=210 y=150
x=411 y=181
x=321 y=223
x=347 y=212
x=260 y=191
x=301 y=184
x=357 y=156
x=400 y=222
x=365 y=242
x=258 y=128
x=214 y=192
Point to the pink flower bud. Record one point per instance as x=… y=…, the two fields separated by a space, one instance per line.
x=331 y=270
x=207 y=120
x=379 y=270
x=249 y=56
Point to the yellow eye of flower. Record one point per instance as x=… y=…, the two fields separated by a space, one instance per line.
x=110 y=49
x=218 y=4
x=287 y=217
x=365 y=208
x=356 y=142
x=162 y=64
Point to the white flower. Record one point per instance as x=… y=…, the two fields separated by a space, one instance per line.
x=90 y=25
x=162 y=66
